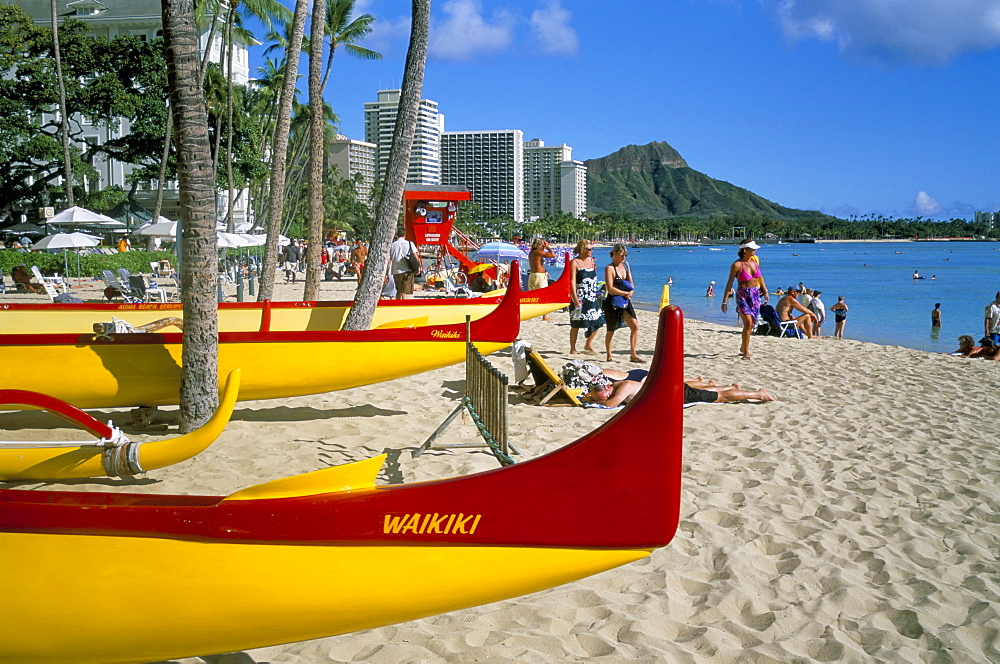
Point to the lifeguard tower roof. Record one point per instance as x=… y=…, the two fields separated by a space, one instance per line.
x=437 y=192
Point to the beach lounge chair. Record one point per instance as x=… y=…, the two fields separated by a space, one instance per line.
x=52 y=285
x=769 y=324
x=114 y=287
x=548 y=385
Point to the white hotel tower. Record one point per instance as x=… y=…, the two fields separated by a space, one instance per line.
x=491 y=165
x=553 y=181
x=425 y=159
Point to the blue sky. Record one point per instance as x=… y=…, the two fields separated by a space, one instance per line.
x=844 y=106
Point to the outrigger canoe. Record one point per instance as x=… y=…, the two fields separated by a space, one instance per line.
x=289 y=316
x=112 y=454
x=143 y=369
x=116 y=577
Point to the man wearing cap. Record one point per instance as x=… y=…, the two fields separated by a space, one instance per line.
x=992 y=321
x=806 y=322
x=988 y=350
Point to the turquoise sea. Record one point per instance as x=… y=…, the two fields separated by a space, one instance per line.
x=887 y=306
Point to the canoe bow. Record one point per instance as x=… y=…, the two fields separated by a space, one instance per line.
x=112 y=455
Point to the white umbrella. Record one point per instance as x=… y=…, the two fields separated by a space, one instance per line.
x=67 y=241
x=78 y=216
x=231 y=240
x=162 y=228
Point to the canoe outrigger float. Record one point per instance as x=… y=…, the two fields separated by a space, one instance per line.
x=293 y=316
x=112 y=454
x=115 y=577
x=143 y=369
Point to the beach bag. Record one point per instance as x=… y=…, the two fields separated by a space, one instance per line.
x=620 y=301
x=583 y=375
x=412 y=263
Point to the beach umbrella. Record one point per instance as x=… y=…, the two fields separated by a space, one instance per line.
x=231 y=240
x=66 y=241
x=162 y=228
x=23 y=228
x=78 y=216
x=499 y=251
x=480 y=267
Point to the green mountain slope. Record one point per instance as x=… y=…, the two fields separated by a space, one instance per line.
x=654 y=181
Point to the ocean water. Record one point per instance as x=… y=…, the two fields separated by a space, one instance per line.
x=887 y=306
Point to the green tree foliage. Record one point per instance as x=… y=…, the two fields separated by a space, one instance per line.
x=106 y=81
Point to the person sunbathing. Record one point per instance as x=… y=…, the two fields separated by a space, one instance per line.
x=988 y=350
x=696 y=390
x=966 y=347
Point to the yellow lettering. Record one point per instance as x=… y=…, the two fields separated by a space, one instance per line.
x=460 y=524
x=423 y=526
x=447 y=528
x=393 y=524
x=413 y=524
x=475 y=523
x=435 y=525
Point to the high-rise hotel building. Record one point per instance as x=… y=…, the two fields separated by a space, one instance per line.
x=425 y=158
x=491 y=165
x=553 y=181
x=356 y=158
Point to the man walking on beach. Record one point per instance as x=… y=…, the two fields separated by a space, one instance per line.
x=790 y=301
x=358 y=256
x=992 y=321
x=399 y=251
x=538 y=276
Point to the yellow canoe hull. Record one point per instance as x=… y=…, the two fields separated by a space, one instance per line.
x=196 y=598
x=107 y=376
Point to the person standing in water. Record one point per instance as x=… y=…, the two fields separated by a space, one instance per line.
x=839 y=317
x=936 y=315
x=750 y=286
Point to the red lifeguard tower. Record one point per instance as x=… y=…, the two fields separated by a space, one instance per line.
x=429 y=217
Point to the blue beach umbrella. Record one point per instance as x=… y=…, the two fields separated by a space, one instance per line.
x=499 y=251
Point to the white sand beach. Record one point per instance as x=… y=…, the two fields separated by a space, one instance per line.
x=855 y=519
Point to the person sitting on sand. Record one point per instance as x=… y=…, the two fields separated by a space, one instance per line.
x=966 y=347
x=790 y=301
x=626 y=385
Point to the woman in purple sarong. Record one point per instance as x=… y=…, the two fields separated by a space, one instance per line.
x=746 y=272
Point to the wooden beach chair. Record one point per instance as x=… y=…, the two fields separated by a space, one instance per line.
x=550 y=389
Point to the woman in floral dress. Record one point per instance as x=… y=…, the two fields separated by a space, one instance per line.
x=586 y=313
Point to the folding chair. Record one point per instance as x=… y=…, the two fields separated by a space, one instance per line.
x=116 y=285
x=548 y=384
x=776 y=327
x=50 y=283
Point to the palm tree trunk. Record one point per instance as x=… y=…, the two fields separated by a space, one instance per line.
x=229 y=119
x=199 y=394
x=316 y=151
x=377 y=264
x=279 y=152
x=63 y=115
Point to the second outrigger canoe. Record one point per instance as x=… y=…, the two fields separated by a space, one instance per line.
x=115 y=577
x=290 y=316
x=144 y=369
x=112 y=454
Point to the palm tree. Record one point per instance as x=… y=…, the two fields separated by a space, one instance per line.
x=199 y=395
x=63 y=116
x=360 y=315
x=317 y=151
x=279 y=149
x=347 y=33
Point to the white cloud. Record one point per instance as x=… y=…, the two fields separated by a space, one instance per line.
x=387 y=34
x=551 y=29
x=465 y=31
x=924 y=205
x=893 y=32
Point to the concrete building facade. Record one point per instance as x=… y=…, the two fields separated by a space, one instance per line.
x=553 y=181
x=491 y=165
x=425 y=158
x=356 y=158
